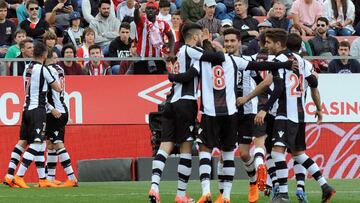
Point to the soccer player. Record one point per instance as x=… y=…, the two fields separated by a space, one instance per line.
x=37 y=78
x=56 y=120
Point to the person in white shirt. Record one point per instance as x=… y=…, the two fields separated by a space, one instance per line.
x=164 y=14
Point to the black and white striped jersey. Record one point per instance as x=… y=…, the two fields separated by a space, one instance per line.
x=37 y=77
x=54 y=98
x=185 y=59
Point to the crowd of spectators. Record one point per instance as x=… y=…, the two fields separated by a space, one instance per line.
x=150 y=28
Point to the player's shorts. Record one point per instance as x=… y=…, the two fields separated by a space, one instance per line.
x=55 y=127
x=247 y=129
x=218 y=131
x=269 y=132
x=33 y=125
x=178 y=121
x=300 y=138
x=286 y=134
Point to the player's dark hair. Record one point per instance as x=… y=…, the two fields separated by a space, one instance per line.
x=344 y=44
x=189 y=30
x=40 y=49
x=232 y=31
x=68 y=46
x=277 y=35
x=294 y=42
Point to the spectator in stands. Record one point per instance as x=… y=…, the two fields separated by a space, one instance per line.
x=120 y=47
x=225 y=24
x=247 y=25
x=27 y=48
x=192 y=10
x=254 y=47
x=95 y=67
x=7 y=30
x=22 y=13
x=305 y=46
x=164 y=11
x=74 y=33
x=14 y=50
x=35 y=27
x=277 y=17
x=341 y=16
x=305 y=13
x=176 y=22
x=344 y=65
x=153 y=45
x=57 y=13
x=50 y=39
x=257 y=7
x=70 y=67
x=322 y=44
x=126 y=8
x=355 y=48
x=83 y=51
x=90 y=9
x=106 y=27
x=209 y=21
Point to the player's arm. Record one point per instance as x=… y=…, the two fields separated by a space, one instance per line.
x=266 y=65
x=189 y=75
x=208 y=55
x=315 y=95
x=53 y=110
x=260 y=88
x=50 y=79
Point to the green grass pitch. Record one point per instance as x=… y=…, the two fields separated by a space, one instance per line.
x=348 y=191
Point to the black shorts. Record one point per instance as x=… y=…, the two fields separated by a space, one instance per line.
x=286 y=133
x=219 y=131
x=178 y=121
x=247 y=128
x=55 y=127
x=33 y=125
x=269 y=132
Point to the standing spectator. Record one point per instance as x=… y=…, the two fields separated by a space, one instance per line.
x=164 y=11
x=341 y=16
x=90 y=8
x=83 y=51
x=344 y=65
x=70 y=67
x=26 y=48
x=96 y=67
x=176 y=22
x=305 y=13
x=209 y=21
x=74 y=33
x=50 y=40
x=247 y=25
x=322 y=44
x=106 y=27
x=278 y=18
x=22 y=14
x=355 y=48
x=14 y=50
x=192 y=10
x=35 y=27
x=150 y=41
x=126 y=8
x=7 y=30
x=57 y=13
x=120 y=47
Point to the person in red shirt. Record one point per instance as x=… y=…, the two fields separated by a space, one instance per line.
x=96 y=67
x=70 y=67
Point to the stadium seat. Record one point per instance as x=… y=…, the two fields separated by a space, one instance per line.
x=14 y=20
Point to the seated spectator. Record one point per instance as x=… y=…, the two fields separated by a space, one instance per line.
x=74 y=33
x=192 y=10
x=96 y=67
x=355 y=48
x=344 y=65
x=50 y=40
x=341 y=16
x=225 y=24
x=83 y=51
x=7 y=30
x=70 y=67
x=90 y=8
x=305 y=13
x=57 y=13
x=26 y=48
x=305 y=46
x=14 y=50
x=254 y=47
x=257 y=7
x=106 y=27
x=277 y=17
x=322 y=44
x=209 y=21
x=245 y=23
x=35 y=27
x=176 y=22
x=120 y=47
x=22 y=14
x=126 y=9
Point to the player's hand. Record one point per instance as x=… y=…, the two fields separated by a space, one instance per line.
x=217 y=46
x=241 y=101
x=260 y=117
x=319 y=116
x=55 y=113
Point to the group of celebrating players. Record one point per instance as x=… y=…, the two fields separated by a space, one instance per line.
x=44 y=117
x=244 y=99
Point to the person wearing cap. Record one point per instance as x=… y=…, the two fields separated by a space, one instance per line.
x=225 y=24
x=192 y=10
x=277 y=16
x=253 y=46
x=74 y=33
x=209 y=21
x=106 y=27
x=151 y=33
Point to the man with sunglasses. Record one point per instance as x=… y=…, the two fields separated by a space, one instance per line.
x=322 y=44
x=34 y=26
